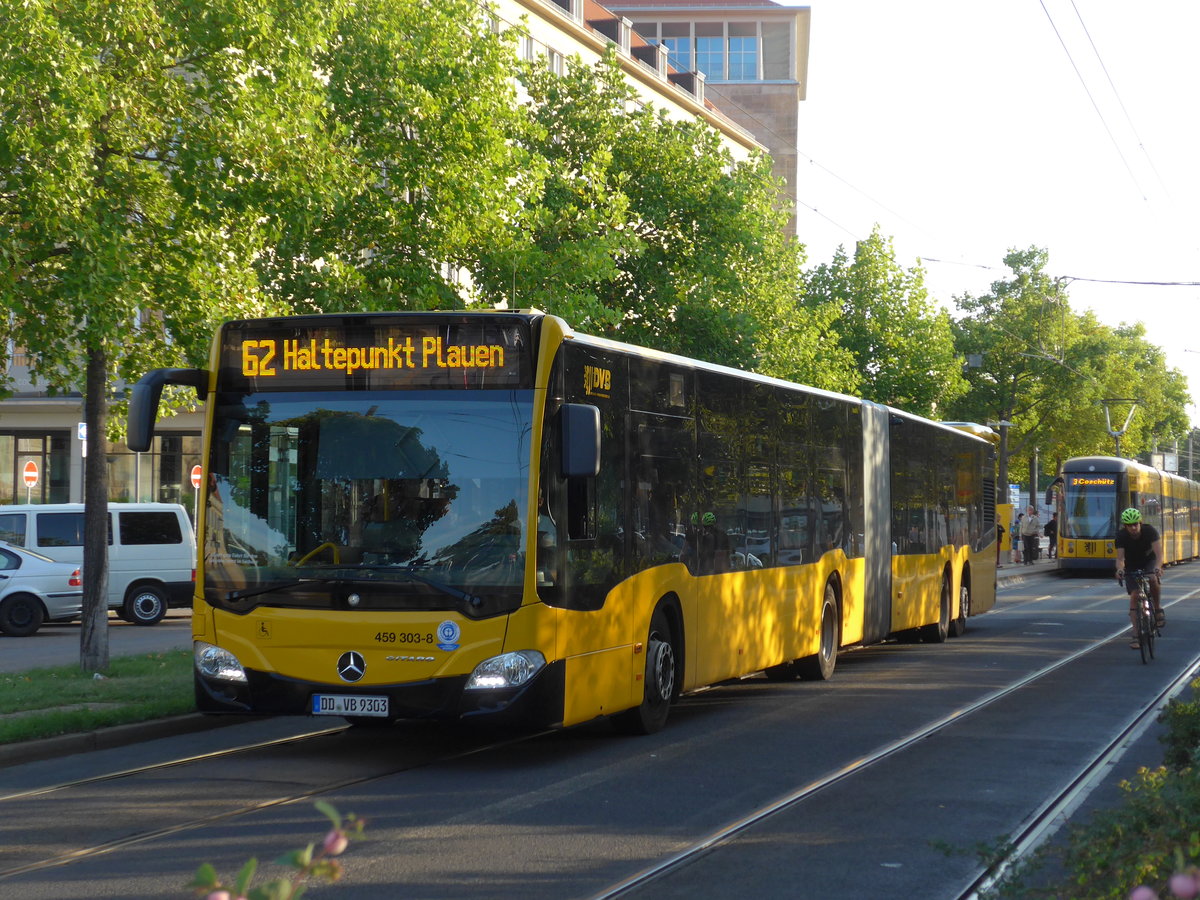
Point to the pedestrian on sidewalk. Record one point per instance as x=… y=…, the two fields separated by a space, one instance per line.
x=1051 y=532
x=1031 y=530
x=1015 y=538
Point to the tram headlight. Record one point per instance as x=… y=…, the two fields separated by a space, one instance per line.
x=506 y=671
x=216 y=663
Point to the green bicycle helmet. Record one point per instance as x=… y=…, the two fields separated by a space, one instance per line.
x=1130 y=517
x=709 y=519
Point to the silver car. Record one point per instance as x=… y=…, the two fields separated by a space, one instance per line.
x=35 y=589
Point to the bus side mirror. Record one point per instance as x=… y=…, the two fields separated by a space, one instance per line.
x=579 y=431
x=143 y=402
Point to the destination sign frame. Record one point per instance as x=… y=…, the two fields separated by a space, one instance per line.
x=376 y=353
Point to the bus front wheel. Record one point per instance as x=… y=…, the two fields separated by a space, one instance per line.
x=659 y=680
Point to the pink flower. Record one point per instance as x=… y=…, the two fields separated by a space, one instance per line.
x=1184 y=886
x=1143 y=893
x=335 y=843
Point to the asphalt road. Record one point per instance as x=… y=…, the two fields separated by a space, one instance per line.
x=565 y=814
x=58 y=645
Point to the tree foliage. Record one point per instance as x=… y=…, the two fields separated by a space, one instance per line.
x=164 y=166
x=1048 y=370
x=901 y=342
x=647 y=230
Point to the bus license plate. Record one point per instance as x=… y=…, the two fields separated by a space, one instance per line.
x=348 y=705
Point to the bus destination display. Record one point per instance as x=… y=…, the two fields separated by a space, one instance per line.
x=393 y=355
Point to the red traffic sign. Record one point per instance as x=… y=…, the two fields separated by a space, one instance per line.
x=196 y=477
x=31 y=474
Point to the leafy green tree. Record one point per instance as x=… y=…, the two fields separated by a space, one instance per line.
x=646 y=230
x=901 y=342
x=164 y=166
x=1047 y=370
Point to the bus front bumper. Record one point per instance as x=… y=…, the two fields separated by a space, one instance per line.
x=539 y=702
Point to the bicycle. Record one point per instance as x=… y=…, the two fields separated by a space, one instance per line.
x=1146 y=629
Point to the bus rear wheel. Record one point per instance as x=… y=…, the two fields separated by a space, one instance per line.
x=659 y=681
x=820 y=666
x=939 y=630
x=958 y=627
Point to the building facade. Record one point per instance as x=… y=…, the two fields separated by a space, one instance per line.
x=753 y=56
x=41 y=436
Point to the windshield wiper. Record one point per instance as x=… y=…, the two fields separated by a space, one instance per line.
x=411 y=572
x=278 y=586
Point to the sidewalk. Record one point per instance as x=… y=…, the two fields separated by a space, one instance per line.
x=1009 y=571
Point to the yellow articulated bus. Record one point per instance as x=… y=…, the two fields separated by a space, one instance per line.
x=1094 y=490
x=486 y=514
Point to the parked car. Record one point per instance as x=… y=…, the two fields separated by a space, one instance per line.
x=35 y=589
x=151 y=551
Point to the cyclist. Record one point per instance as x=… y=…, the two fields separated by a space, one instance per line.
x=1139 y=546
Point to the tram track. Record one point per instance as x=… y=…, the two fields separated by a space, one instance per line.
x=592 y=769
x=1040 y=826
x=1056 y=811
x=150 y=834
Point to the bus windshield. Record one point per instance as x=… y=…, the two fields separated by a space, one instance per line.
x=413 y=498
x=1091 y=511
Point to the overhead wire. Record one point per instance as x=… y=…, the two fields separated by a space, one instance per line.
x=1128 y=119
x=1092 y=98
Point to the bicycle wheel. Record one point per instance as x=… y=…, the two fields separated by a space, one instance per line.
x=1145 y=640
x=1150 y=629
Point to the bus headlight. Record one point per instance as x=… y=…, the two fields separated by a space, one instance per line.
x=507 y=671
x=217 y=664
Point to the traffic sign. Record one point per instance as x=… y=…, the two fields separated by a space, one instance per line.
x=31 y=474
x=196 y=477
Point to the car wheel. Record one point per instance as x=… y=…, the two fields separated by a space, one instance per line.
x=21 y=615
x=145 y=605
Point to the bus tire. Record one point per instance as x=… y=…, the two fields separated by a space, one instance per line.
x=939 y=630
x=21 y=615
x=958 y=627
x=820 y=666
x=144 y=605
x=660 y=682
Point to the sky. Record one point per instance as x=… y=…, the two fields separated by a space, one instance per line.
x=966 y=128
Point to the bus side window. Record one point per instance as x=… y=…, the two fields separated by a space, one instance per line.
x=581 y=509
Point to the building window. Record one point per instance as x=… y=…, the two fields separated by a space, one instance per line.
x=723 y=51
x=743 y=51
x=710 y=50
x=677 y=37
x=50 y=454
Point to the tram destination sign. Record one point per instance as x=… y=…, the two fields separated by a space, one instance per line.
x=375 y=353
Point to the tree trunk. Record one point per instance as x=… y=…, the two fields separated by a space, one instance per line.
x=93 y=636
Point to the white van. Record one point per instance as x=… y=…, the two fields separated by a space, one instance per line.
x=151 y=551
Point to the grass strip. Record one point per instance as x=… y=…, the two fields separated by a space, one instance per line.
x=44 y=703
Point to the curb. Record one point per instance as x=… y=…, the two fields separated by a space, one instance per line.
x=110 y=738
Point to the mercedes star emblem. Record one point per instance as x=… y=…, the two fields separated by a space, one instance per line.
x=351 y=666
